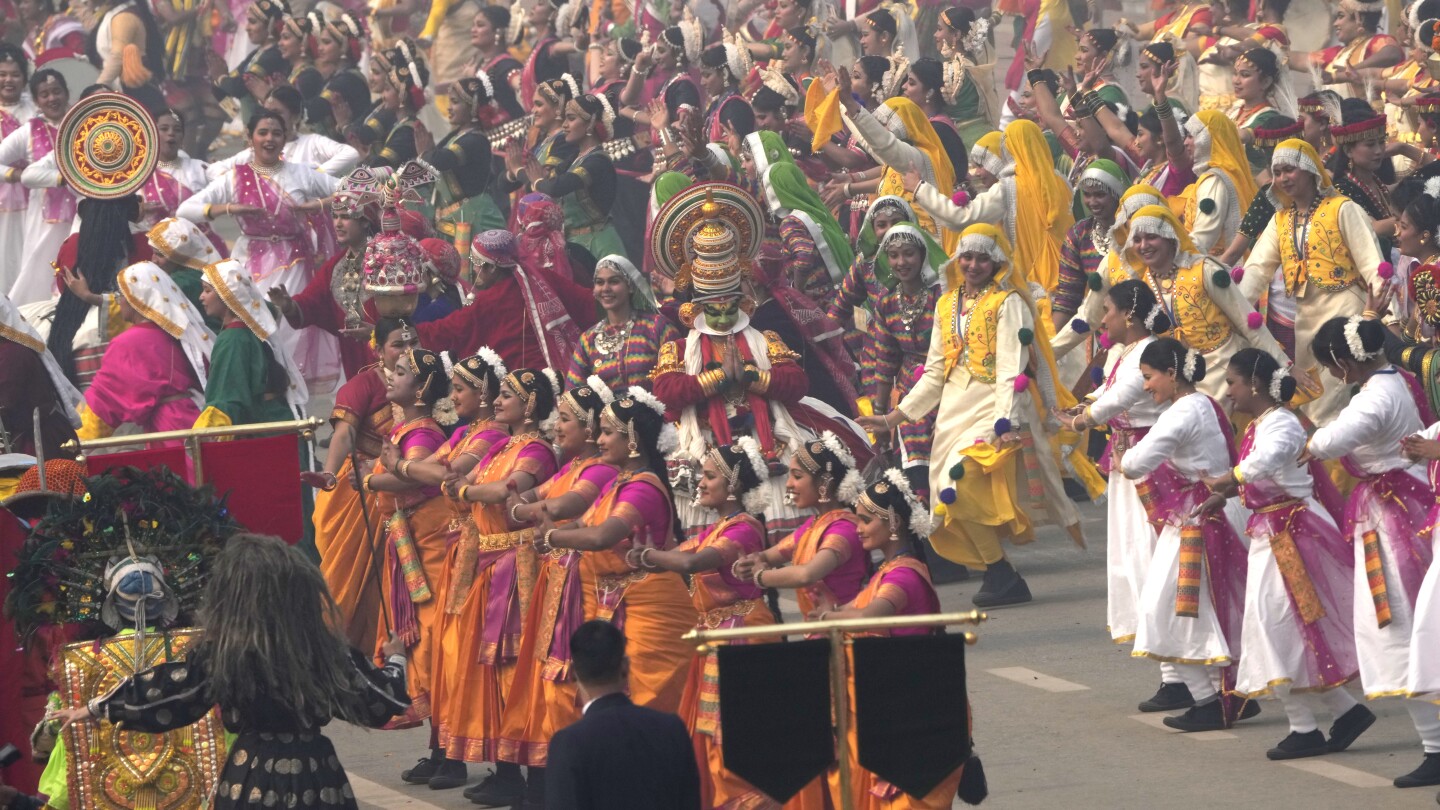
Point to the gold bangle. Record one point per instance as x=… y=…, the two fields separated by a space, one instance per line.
x=1370 y=315
x=1239 y=478
x=365 y=483
x=762 y=382
x=463 y=487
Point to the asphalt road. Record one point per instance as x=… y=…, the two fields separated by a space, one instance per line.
x=1056 y=720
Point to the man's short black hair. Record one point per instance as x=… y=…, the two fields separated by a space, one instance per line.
x=598 y=651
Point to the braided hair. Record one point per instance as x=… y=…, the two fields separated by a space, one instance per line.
x=104 y=225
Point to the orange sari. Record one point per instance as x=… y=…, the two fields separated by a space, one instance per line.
x=429 y=525
x=542 y=697
x=869 y=791
x=652 y=608
x=473 y=663
x=721 y=604
x=346 y=544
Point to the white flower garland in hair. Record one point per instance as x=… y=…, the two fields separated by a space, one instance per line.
x=975 y=41
x=493 y=361
x=920 y=522
x=1352 y=339
x=1192 y=357
x=647 y=399
x=668 y=440
x=484 y=77
x=594 y=383
x=850 y=487
x=757 y=498
x=447 y=363
x=838 y=449
x=1151 y=316
x=1275 y=380
x=572 y=84
x=554 y=380
x=1432 y=188
x=607 y=113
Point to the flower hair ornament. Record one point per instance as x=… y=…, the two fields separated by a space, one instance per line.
x=850 y=483
x=921 y=523
x=974 y=42
x=547 y=425
x=1151 y=316
x=483 y=76
x=574 y=86
x=1353 y=341
x=594 y=383
x=448 y=363
x=1276 y=379
x=1188 y=369
x=492 y=359
x=757 y=497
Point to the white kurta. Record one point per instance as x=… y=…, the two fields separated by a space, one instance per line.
x=307 y=149
x=994 y=206
x=36 y=277
x=1188 y=436
x=13 y=197
x=1313 y=306
x=1369 y=431
x=1130 y=537
x=189 y=173
x=1276 y=651
x=969 y=408
x=1217 y=228
x=1423 y=677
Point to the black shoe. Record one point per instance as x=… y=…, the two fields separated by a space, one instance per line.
x=503 y=788
x=1001 y=586
x=1248 y=709
x=1426 y=775
x=1172 y=697
x=534 y=789
x=421 y=773
x=451 y=774
x=1205 y=717
x=1299 y=745
x=1349 y=726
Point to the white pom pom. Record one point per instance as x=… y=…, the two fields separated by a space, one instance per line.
x=668 y=440
x=594 y=383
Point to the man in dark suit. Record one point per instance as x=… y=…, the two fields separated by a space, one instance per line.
x=619 y=756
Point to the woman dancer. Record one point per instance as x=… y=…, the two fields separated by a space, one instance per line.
x=1385 y=517
x=622 y=348
x=542 y=696
x=729 y=484
x=1299 y=597
x=1193 y=600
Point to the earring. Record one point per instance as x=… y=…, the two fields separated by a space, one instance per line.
x=732 y=497
x=634 y=446
x=825 y=490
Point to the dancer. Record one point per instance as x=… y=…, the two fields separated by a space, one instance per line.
x=622 y=348
x=1299 y=597
x=1193 y=600
x=1385 y=516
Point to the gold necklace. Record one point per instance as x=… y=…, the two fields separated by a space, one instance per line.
x=265 y=171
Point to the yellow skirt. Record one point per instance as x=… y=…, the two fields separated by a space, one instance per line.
x=985 y=511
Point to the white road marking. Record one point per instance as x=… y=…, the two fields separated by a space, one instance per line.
x=1030 y=677
x=1158 y=721
x=371 y=794
x=1340 y=773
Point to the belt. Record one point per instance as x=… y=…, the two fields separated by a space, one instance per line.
x=1278 y=506
x=718 y=616
x=500 y=542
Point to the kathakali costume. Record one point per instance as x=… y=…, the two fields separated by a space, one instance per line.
x=707 y=238
x=123 y=556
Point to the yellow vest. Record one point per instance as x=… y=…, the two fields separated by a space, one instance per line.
x=978 y=343
x=1199 y=321
x=1327 y=263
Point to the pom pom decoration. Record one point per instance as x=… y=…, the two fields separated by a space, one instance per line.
x=1105 y=341
x=1254 y=320
x=1221 y=279
x=1026 y=335
x=1097 y=376
x=1002 y=426
x=941 y=512
x=1022 y=382
x=957 y=471
x=1237 y=273
x=1080 y=325
x=1092 y=280
x=1385 y=270
x=947 y=495
x=1207 y=206
x=961 y=198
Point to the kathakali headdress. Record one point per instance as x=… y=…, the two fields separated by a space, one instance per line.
x=707 y=237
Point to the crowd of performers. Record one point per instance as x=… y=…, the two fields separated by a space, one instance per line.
x=776 y=302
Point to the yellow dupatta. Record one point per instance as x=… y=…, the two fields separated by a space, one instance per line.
x=1042 y=204
x=1227 y=154
x=920 y=133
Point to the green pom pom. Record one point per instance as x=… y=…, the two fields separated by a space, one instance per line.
x=1221 y=279
x=957 y=472
x=1093 y=280
x=1207 y=206
x=1027 y=336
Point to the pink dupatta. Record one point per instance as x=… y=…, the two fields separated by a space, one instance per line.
x=59 y=202
x=167 y=190
x=277 y=237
